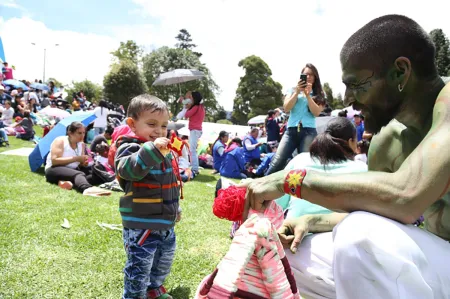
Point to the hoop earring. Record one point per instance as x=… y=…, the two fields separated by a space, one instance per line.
x=400 y=88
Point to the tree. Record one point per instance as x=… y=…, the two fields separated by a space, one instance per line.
x=185 y=42
x=332 y=102
x=442 y=55
x=166 y=59
x=220 y=115
x=57 y=83
x=224 y=121
x=257 y=92
x=128 y=51
x=123 y=82
x=92 y=91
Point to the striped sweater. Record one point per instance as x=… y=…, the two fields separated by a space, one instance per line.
x=150 y=185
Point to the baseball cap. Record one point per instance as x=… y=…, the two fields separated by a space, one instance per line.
x=1 y=87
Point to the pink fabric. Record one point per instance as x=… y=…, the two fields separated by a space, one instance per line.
x=196 y=116
x=274 y=213
x=254 y=267
x=121 y=131
x=8 y=73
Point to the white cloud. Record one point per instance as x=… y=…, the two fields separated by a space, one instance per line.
x=10 y=3
x=286 y=34
x=78 y=56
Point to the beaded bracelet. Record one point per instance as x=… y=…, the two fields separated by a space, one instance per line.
x=293 y=182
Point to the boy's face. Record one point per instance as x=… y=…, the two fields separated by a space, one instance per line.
x=150 y=125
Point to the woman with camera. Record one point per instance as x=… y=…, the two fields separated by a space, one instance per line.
x=304 y=102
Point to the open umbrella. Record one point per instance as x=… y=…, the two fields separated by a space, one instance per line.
x=257 y=120
x=40 y=86
x=37 y=156
x=16 y=84
x=178 y=76
x=54 y=112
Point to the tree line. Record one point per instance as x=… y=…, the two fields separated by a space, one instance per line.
x=133 y=72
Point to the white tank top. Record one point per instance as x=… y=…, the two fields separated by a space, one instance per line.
x=68 y=152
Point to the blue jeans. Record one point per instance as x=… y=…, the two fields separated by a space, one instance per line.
x=292 y=140
x=3 y=135
x=194 y=136
x=149 y=260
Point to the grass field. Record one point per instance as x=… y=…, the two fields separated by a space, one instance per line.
x=40 y=259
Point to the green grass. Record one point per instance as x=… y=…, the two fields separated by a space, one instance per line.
x=40 y=259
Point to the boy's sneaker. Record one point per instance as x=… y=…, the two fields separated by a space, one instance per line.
x=65 y=185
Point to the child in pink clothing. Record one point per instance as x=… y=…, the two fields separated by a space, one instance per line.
x=195 y=112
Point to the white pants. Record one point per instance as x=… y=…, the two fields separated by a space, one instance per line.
x=194 y=136
x=369 y=256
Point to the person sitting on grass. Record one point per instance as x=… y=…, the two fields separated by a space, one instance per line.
x=150 y=205
x=67 y=163
x=218 y=150
x=104 y=137
x=233 y=166
x=265 y=163
x=25 y=127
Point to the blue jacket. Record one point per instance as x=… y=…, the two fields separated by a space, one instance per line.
x=233 y=164
x=264 y=166
x=273 y=130
x=254 y=154
x=217 y=159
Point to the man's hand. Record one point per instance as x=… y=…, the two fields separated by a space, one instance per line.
x=293 y=231
x=161 y=143
x=261 y=191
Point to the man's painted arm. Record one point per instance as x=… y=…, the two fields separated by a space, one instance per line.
x=422 y=179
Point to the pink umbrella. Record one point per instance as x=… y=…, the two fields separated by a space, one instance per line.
x=54 y=112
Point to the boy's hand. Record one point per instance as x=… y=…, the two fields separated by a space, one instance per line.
x=161 y=143
x=178 y=217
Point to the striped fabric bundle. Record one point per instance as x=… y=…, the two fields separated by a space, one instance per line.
x=255 y=267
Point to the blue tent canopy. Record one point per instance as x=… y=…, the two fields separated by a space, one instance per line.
x=37 y=156
x=2 y=52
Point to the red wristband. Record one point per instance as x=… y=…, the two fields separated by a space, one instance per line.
x=293 y=182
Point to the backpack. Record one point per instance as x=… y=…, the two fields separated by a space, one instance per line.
x=255 y=266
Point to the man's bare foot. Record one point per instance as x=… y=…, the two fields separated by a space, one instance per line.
x=65 y=185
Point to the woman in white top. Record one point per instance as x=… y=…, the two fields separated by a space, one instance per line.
x=101 y=121
x=66 y=163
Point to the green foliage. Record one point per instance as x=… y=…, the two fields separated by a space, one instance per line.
x=123 y=82
x=167 y=59
x=92 y=91
x=185 y=42
x=334 y=103
x=128 y=51
x=257 y=92
x=442 y=55
x=224 y=121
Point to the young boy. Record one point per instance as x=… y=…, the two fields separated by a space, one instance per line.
x=149 y=208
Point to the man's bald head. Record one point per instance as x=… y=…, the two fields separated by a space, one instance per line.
x=379 y=43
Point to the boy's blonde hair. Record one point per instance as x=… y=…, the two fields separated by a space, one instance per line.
x=145 y=102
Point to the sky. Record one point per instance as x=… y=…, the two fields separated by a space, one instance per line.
x=285 y=34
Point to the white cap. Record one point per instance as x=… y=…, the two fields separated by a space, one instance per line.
x=1 y=87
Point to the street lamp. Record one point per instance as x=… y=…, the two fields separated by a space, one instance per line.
x=45 y=54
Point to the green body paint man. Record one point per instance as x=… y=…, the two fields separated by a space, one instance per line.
x=389 y=71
